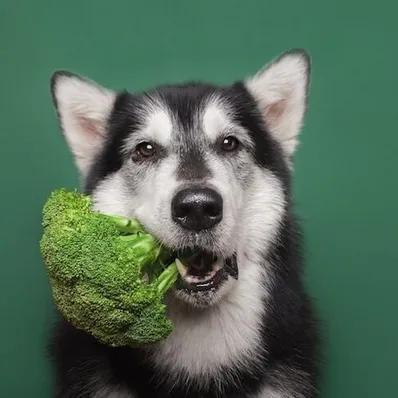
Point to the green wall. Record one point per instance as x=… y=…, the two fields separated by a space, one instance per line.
x=346 y=185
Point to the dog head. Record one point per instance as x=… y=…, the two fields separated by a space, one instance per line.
x=204 y=168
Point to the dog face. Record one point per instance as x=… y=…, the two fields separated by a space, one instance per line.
x=204 y=168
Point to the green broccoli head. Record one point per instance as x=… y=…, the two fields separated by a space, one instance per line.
x=108 y=276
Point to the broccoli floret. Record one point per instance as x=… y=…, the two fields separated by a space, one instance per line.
x=108 y=276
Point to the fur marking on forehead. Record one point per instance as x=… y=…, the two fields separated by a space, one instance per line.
x=216 y=118
x=219 y=121
x=157 y=125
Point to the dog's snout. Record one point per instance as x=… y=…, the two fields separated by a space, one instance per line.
x=197 y=208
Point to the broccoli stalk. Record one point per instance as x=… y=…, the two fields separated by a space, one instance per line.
x=167 y=278
x=108 y=276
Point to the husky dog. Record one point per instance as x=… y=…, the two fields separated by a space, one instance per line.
x=207 y=170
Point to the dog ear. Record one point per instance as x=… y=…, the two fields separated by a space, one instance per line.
x=83 y=108
x=280 y=90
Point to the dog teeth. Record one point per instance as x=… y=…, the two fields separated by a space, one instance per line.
x=192 y=279
x=182 y=269
x=218 y=265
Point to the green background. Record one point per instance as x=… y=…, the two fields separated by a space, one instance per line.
x=346 y=184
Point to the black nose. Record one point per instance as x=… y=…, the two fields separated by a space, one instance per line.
x=197 y=208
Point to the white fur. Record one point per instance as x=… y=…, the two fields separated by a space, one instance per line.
x=217 y=122
x=156 y=126
x=159 y=127
x=287 y=382
x=111 y=196
x=223 y=334
x=84 y=108
x=280 y=90
x=265 y=204
x=269 y=392
x=215 y=119
x=282 y=391
x=150 y=202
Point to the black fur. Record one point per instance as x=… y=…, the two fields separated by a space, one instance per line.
x=288 y=329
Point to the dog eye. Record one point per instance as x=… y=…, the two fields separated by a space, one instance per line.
x=230 y=144
x=144 y=150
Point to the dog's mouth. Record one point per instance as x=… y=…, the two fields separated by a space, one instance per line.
x=202 y=271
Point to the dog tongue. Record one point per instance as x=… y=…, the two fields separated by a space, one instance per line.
x=200 y=263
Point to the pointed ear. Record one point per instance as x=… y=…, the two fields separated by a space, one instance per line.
x=83 y=109
x=280 y=90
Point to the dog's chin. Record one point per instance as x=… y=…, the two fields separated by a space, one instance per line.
x=205 y=278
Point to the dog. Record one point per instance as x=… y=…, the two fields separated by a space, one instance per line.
x=207 y=170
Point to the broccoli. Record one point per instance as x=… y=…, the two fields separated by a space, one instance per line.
x=108 y=276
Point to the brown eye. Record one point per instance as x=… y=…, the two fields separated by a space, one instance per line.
x=144 y=150
x=229 y=144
